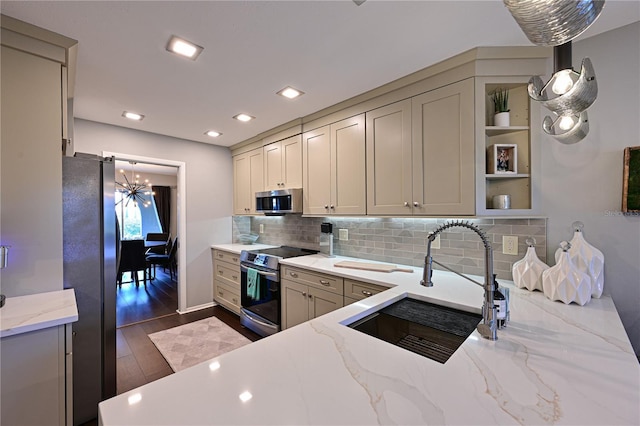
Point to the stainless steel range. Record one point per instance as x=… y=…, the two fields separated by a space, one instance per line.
x=260 y=287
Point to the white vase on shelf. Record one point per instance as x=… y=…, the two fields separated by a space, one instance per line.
x=565 y=282
x=587 y=258
x=501 y=119
x=527 y=272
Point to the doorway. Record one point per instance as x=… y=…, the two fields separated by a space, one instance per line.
x=181 y=216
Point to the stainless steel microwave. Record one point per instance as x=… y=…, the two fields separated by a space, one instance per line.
x=279 y=201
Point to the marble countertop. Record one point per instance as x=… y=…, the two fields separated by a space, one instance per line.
x=553 y=364
x=23 y=314
x=237 y=247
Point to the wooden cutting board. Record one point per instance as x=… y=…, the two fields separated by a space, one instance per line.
x=378 y=267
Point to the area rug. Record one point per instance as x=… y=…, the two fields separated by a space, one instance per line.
x=190 y=344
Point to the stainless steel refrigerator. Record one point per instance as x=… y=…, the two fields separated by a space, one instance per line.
x=90 y=241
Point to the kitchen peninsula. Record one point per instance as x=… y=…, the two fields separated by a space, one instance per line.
x=553 y=364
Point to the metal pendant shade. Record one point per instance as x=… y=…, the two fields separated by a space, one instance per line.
x=554 y=22
x=581 y=95
x=578 y=129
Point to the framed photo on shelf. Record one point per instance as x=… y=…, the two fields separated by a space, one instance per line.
x=631 y=180
x=502 y=158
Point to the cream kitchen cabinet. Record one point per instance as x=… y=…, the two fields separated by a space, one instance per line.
x=226 y=279
x=307 y=295
x=389 y=179
x=443 y=150
x=283 y=164
x=247 y=180
x=420 y=154
x=358 y=290
x=334 y=176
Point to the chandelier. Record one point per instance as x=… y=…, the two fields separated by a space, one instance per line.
x=134 y=190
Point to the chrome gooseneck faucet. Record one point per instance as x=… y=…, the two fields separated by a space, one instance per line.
x=489 y=326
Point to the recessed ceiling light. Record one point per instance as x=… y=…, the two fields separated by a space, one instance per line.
x=243 y=117
x=184 y=48
x=290 y=92
x=213 y=133
x=132 y=115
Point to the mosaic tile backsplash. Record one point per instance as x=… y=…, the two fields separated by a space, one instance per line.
x=402 y=241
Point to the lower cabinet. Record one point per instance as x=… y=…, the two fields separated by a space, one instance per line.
x=36 y=381
x=226 y=280
x=307 y=295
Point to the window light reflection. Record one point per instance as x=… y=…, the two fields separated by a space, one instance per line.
x=214 y=366
x=245 y=396
x=135 y=398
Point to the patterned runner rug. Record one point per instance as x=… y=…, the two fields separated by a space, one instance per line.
x=190 y=344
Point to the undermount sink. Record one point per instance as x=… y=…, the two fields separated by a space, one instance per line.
x=424 y=328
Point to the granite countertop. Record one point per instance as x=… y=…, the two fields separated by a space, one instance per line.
x=553 y=364
x=23 y=314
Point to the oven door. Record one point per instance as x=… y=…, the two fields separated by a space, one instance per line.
x=260 y=299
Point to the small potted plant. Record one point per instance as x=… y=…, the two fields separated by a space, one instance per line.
x=500 y=98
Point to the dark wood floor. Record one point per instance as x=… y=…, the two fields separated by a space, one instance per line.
x=145 y=311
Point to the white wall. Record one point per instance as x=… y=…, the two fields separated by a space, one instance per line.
x=584 y=181
x=208 y=191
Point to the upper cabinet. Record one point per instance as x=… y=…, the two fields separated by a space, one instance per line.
x=420 y=154
x=507 y=157
x=334 y=168
x=247 y=180
x=283 y=164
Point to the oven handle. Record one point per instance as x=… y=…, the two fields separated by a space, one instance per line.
x=253 y=318
x=266 y=274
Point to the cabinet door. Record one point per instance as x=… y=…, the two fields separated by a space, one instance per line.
x=322 y=302
x=389 y=160
x=292 y=162
x=247 y=180
x=295 y=303
x=348 y=176
x=316 y=182
x=443 y=150
x=272 y=166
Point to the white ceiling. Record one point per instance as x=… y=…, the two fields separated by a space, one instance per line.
x=332 y=50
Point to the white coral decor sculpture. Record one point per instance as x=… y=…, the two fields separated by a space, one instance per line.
x=565 y=282
x=587 y=258
x=527 y=272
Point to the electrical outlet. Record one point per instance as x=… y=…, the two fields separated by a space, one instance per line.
x=262 y=228
x=343 y=234
x=510 y=244
x=436 y=243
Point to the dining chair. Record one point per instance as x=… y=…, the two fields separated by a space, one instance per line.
x=165 y=260
x=157 y=237
x=133 y=260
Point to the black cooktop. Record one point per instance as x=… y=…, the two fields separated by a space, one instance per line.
x=285 y=252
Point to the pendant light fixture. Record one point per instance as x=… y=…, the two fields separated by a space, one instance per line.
x=567 y=94
x=133 y=190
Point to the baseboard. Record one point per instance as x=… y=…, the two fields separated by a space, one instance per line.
x=196 y=308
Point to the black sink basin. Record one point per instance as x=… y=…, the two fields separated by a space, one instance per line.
x=424 y=328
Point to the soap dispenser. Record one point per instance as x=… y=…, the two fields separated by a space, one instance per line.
x=527 y=272
x=587 y=258
x=565 y=282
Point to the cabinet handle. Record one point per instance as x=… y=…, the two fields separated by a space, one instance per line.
x=293 y=274
x=367 y=293
x=310 y=297
x=220 y=272
x=304 y=293
x=220 y=255
x=331 y=206
x=416 y=204
x=220 y=293
x=235 y=300
x=235 y=277
x=235 y=259
x=406 y=204
x=326 y=206
x=325 y=283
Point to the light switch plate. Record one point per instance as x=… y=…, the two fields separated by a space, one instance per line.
x=510 y=244
x=343 y=235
